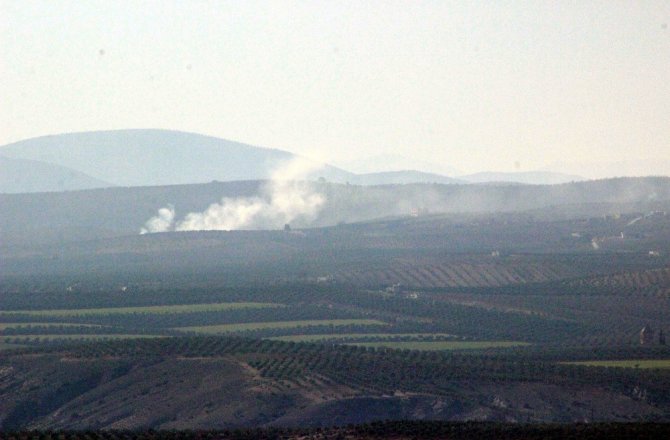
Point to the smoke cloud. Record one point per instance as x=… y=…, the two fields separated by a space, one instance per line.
x=162 y=222
x=285 y=198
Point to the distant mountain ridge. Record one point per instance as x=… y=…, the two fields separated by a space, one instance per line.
x=114 y=212
x=155 y=157
x=152 y=157
x=629 y=168
x=525 y=177
x=389 y=162
x=403 y=177
x=27 y=176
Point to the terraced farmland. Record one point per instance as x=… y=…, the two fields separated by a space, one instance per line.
x=167 y=309
x=232 y=328
x=360 y=336
x=629 y=363
x=24 y=325
x=654 y=281
x=72 y=337
x=458 y=274
x=440 y=345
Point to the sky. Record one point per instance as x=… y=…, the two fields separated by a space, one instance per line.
x=463 y=86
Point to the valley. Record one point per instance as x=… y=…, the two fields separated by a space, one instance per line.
x=500 y=316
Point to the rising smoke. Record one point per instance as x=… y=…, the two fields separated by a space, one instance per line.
x=162 y=222
x=285 y=198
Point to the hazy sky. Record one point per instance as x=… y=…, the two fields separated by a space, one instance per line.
x=467 y=85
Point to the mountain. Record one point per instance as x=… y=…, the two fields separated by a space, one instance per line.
x=150 y=157
x=395 y=162
x=114 y=212
x=402 y=177
x=528 y=177
x=629 y=168
x=157 y=157
x=160 y=157
x=196 y=384
x=27 y=176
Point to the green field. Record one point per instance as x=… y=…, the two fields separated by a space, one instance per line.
x=181 y=308
x=325 y=337
x=440 y=345
x=4 y=346
x=4 y=325
x=75 y=337
x=631 y=363
x=230 y=328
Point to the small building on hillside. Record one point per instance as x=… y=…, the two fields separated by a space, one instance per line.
x=395 y=288
x=646 y=335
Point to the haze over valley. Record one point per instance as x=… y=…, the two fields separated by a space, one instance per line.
x=348 y=220
x=170 y=157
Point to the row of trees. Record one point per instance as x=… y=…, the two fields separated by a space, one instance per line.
x=383 y=370
x=399 y=429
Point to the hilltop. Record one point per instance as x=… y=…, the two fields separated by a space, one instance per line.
x=152 y=157
x=114 y=212
x=155 y=157
x=27 y=176
x=158 y=157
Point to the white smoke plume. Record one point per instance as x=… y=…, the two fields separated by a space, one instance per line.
x=285 y=198
x=162 y=222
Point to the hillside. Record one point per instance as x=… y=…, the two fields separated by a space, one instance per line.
x=415 y=251
x=219 y=383
x=496 y=316
x=156 y=157
x=528 y=177
x=146 y=157
x=28 y=176
x=659 y=166
x=402 y=177
x=114 y=212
